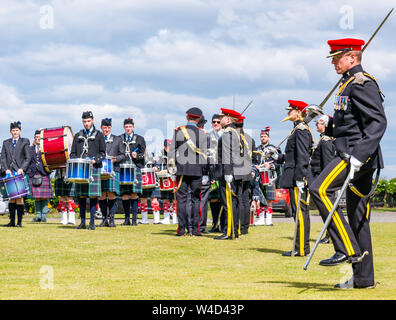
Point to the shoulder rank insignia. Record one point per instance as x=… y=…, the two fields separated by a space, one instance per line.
x=360 y=78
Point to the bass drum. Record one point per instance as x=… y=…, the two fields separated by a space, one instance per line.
x=55 y=147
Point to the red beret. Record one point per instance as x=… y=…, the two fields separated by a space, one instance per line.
x=295 y=104
x=343 y=45
x=240 y=119
x=230 y=112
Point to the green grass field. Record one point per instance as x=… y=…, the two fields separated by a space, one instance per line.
x=150 y=262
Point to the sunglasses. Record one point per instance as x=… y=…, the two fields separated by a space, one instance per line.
x=216 y=121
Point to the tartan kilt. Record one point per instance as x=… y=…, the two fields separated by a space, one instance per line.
x=112 y=184
x=133 y=188
x=63 y=189
x=151 y=193
x=92 y=189
x=44 y=191
x=166 y=195
x=268 y=191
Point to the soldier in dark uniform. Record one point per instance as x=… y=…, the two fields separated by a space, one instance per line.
x=357 y=126
x=296 y=174
x=89 y=143
x=111 y=187
x=15 y=158
x=135 y=147
x=231 y=170
x=249 y=158
x=323 y=153
x=187 y=155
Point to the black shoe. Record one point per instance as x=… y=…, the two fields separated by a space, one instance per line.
x=81 y=226
x=350 y=284
x=289 y=254
x=223 y=237
x=205 y=231
x=126 y=223
x=134 y=223
x=357 y=259
x=91 y=226
x=19 y=225
x=112 y=224
x=213 y=230
x=336 y=259
x=325 y=240
x=10 y=225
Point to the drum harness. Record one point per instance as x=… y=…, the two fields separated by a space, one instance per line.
x=85 y=145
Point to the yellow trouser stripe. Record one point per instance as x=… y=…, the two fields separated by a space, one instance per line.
x=368 y=211
x=322 y=192
x=229 y=210
x=301 y=221
x=356 y=191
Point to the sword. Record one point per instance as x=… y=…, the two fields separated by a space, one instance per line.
x=296 y=222
x=328 y=220
x=246 y=107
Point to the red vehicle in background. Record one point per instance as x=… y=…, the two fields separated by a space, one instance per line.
x=282 y=202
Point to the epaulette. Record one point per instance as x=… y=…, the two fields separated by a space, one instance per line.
x=360 y=78
x=302 y=126
x=327 y=138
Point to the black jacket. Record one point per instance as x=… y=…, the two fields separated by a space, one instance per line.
x=15 y=158
x=359 y=120
x=188 y=161
x=96 y=146
x=138 y=145
x=232 y=155
x=115 y=148
x=296 y=157
x=36 y=163
x=322 y=155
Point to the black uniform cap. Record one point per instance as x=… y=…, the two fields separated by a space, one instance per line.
x=87 y=115
x=37 y=132
x=106 y=122
x=128 y=121
x=194 y=112
x=15 y=125
x=216 y=116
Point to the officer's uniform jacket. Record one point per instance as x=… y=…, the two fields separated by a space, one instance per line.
x=359 y=120
x=96 y=146
x=138 y=145
x=231 y=154
x=15 y=158
x=189 y=155
x=296 y=156
x=115 y=148
x=323 y=153
x=248 y=156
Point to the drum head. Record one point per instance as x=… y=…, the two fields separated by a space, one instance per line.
x=68 y=141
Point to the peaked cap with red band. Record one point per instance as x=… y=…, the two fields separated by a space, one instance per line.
x=344 y=45
x=296 y=104
x=230 y=113
x=194 y=112
x=241 y=118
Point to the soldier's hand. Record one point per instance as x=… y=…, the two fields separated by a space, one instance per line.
x=300 y=185
x=355 y=166
x=229 y=178
x=205 y=180
x=20 y=171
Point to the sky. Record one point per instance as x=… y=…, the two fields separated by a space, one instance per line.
x=152 y=60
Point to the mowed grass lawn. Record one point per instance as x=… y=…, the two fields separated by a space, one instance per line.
x=150 y=262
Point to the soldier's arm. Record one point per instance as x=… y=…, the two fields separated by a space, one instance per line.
x=366 y=98
x=303 y=152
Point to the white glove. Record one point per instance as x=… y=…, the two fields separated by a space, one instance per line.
x=228 y=178
x=205 y=180
x=355 y=166
x=311 y=112
x=300 y=185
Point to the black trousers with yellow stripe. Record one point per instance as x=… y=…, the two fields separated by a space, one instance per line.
x=352 y=237
x=304 y=223
x=231 y=200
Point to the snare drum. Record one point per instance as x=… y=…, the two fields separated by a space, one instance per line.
x=127 y=173
x=14 y=187
x=267 y=176
x=106 y=172
x=79 y=170
x=166 y=181
x=149 y=178
x=55 y=147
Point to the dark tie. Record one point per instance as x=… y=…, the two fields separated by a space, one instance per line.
x=15 y=142
x=129 y=138
x=105 y=138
